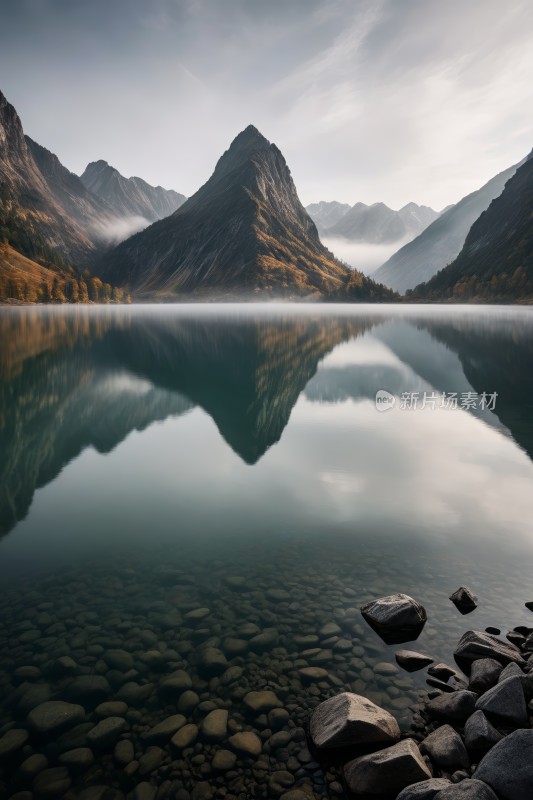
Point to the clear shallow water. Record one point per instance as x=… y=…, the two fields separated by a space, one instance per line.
x=149 y=455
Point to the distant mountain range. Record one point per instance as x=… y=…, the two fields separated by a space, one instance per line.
x=130 y=196
x=496 y=260
x=442 y=241
x=374 y=224
x=244 y=231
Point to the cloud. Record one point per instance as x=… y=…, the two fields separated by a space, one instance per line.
x=113 y=231
x=362 y=256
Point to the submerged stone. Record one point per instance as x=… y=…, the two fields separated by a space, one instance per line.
x=350 y=719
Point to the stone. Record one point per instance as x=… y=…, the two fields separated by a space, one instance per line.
x=411 y=661
x=480 y=735
x=257 y=702
x=442 y=672
x=89 y=690
x=197 y=614
x=175 y=683
x=478 y=644
x=245 y=743
x=134 y=694
x=163 y=731
x=52 y=782
x=185 y=736
x=12 y=741
x=396 y=618
x=277 y=718
x=279 y=739
x=424 y=790
x=386 y=771
x=484 y=674
x=529 y=605
x=211 y=662
x=33 y=696
x=233 y=647
x=508 y=767
x=124 y=752
x=350 y=719
x=264 y=641
x=506 y=701
x=467 y=790
x=55 y=716
x=31 y=766
x=79 y=759
x=151 y=760
x=106 y=732
x=312 y=675
x=188 y=702
x=214 y=726
x=454 y=707
x=329 y=629
x=445 y=748
x=510 y=671
x=464 y=600
x=119 y=659
x=278 y=781
x=223 y=760
x=111 y=708
x=143 y=791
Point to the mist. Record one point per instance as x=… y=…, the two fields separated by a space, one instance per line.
x=362 y=255
x=116 y=230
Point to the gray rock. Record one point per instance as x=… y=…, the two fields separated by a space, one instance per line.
x=214 y=726
x=350 y=719
x=386 y=771
x=134 y=694
x=106 y=732
x=123 y=752
x=163 y=731
x=223 y=760
x=52 y=782
x=442 y=671
x=312 y=675
x=245 y=743
x=266 y=700
x=211 y=662
x=151 y=760
x=396 y=618
x=454 y=707
x=478 y=644
x=31 y=766
x=484 y=674
x=445 y=748
x=464 y=600
x=12 y=741
x=480 y=735
x=506 y=701
x=89 y=690
x=508 y=767
x=175 y=683
x=425 y=790
x=188 y=702
x=185 y=736
x=55 y=716
x=412 y=661
x=79 y=759
x=111 y=708
x=467 y=790
x=264 y=641
x=119 y=659
x=512 y=670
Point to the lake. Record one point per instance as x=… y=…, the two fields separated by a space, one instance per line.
x=196 y=500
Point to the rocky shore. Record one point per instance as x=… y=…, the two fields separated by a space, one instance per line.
x=160 y=676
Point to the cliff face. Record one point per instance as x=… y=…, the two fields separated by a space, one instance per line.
x=245 y=230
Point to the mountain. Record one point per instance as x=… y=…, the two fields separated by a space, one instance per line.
x=244 y=230
x=379 y=224
x=130 y=197
x=496 y=261
x=326 y=213
x=32 y=220
x=441 y=242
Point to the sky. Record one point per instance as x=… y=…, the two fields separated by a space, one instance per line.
x=369 y=100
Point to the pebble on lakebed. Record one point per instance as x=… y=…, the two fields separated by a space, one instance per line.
x=148 y=685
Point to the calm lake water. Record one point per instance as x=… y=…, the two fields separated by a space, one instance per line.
x=178 y=481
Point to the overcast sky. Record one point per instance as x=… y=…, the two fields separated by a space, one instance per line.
x=369 y=100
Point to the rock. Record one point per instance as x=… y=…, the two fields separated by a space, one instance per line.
x=119 y=659
x=55 y=716
x=506 y=701
x=480 y=735
x=312 y=674
x=245 y=743
x=106 y=732
x=424 y=790
x=467 y=790
x=52 y=782
x=175 y=683
x=412 y=661
x=438 y=684
x=89 y=690
x=134 y=694
x=188 y=702
x=277 y=740
x=185 y=736
x=329 y=629
x=79 y=759
x=350 y=719
x=278 y=781
x=493 y=630
x=298 y=794
x=257 y=702
x=510 y=671
x=264 y=641
x=163 y=731
x=277 y=718
x=386 y=771
x=478 y=644
x=233 y=647
x=454 y=707
x=33 y=696
x=211 y=662
x=214 y=726
x=12 y=741
x=223 y=760
x=197 y=614
x=143 y=791
x=112 y=708
x=151 y=760
x=484 y=674
x=442 y=672
x=278 y=595
x=445 y=748
x=508 y=767
x=529 y=606
x=32 y=766
x=464 y=600
x=396 y=618
x=124 y=752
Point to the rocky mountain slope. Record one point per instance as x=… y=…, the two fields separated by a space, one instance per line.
x=379 y=224
x=496 y=261
x=325 y=214
x=442 y=241
x=130 y=196
x=244 y=231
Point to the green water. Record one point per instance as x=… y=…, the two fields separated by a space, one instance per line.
x=148 y=454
